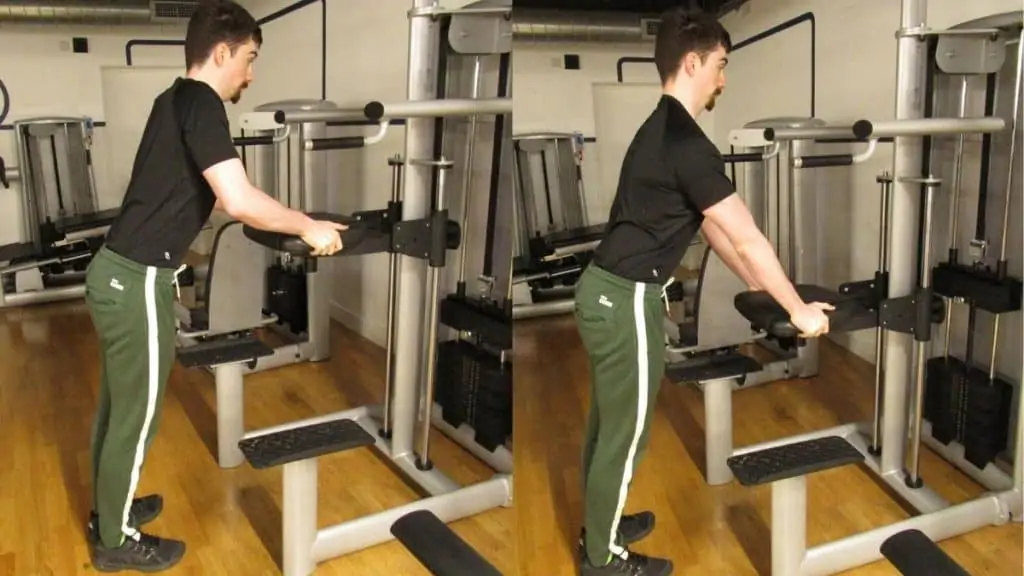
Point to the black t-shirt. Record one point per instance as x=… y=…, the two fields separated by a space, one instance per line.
x=671 y=173
x=168 y=201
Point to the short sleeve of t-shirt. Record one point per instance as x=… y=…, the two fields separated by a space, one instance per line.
x=205 y=127
x=702 y=176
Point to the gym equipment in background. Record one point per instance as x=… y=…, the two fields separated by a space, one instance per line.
x=554 y=241
x=473 y=396
x=902 y=301
x=63 y=223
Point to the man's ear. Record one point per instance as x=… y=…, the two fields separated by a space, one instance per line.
x=690 y=63
x=220 y=53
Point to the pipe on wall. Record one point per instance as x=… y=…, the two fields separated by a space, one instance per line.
x=132 y=12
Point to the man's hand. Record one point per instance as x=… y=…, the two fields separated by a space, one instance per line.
x=810 y=319
x=323 y=237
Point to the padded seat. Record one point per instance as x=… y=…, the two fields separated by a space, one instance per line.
x=361 y=237
x=765 y=314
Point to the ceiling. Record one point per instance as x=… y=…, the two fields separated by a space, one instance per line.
x=635 y=6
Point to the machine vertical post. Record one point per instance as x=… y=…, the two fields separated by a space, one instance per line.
x=424 y=42
x=907 y=151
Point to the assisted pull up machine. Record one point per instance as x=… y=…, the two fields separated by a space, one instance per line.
x=901 y=302
x=415 y=230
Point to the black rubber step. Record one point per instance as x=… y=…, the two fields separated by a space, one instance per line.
x=712 y=367
x=441 y=551
x=792 y=460
x=223 y=351
x=915 y=554
x=303 y=443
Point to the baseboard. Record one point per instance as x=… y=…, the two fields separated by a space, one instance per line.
x=358 y=324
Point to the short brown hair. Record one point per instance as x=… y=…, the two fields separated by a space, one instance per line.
x=216 y=21
x=684 y=30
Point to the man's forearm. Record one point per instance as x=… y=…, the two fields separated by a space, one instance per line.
x=764 y=266
x=261 y=211
x=720 y=243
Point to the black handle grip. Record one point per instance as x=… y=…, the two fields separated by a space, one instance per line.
x=826 y=160
x=339 y=143
x=374 y=111
x=3 y=174
x=254 y=141
x=745 y=157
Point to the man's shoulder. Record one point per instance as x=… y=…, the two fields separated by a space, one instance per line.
x=697 y=146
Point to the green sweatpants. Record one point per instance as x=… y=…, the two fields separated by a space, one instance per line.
x=620 y=323
x=132 y=308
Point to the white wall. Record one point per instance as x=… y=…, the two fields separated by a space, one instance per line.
x=45 y=78
x=550 y=98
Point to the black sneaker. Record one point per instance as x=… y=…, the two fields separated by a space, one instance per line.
x=143 y=511
x=144 y=553
x=632 y=528
x=629 y=564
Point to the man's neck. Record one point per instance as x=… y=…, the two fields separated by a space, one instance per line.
x=201 y=75
x=684 y=97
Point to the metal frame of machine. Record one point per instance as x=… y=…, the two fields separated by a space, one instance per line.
x=398 y=429
x=64 y=225
x=903 y=315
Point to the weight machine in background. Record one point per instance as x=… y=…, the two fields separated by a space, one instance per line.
x=60 y=211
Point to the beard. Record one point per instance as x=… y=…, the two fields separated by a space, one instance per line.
x=711 y=101
x=237 y=96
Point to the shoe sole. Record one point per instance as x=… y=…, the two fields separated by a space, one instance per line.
x=110 y=568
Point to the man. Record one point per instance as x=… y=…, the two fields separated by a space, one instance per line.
x=186 y=166
x=672 y=183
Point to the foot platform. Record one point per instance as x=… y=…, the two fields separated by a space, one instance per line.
x=792 y=460
x=708 y=367
x=765 y=314
x=223 y=351
x=915 y=554
x=303 y=443
x=438 y=548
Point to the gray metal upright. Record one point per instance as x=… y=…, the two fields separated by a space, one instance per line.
x=907 y=153
x=424 y=40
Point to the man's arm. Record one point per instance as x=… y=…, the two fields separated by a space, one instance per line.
x=733 y=218
x=720 y=243
x=713 y=194
x=208 y=139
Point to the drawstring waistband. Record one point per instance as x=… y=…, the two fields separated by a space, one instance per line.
x=177 y=287
x=664 y=292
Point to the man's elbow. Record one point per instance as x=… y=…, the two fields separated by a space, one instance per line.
x=233 y=207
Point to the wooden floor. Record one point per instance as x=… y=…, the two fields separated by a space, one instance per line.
x=707 y=530
x=230 y=519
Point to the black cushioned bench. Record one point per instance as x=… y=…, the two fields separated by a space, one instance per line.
x=223 y=351
x=712 y=367
x=765 y=314
x=915 y=554
x=438 y=548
